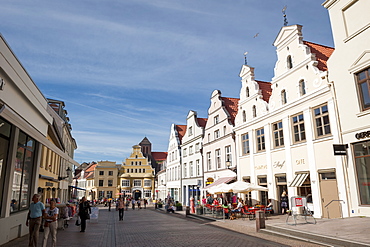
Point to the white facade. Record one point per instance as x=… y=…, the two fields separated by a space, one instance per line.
x=350 y=75
x=218 y=141
x=173 y=169
x=292 y=135
x=192 y=160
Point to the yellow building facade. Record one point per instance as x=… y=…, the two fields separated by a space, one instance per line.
x=106 y=180
x=137 y=176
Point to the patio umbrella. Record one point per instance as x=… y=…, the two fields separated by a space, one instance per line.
x=219 y=189
x=243 y=187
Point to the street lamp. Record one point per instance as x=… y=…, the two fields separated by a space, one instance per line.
x=68 y=171
x=228 y=165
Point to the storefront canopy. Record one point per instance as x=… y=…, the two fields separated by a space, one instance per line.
x=298 y=180
x=219 y=181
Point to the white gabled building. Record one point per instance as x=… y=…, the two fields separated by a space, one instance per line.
x=349 y=73
x=287 y=144
x=192 y=160
x=219 y=141
x=173 y=170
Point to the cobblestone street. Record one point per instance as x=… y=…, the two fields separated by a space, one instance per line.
x=146 y=227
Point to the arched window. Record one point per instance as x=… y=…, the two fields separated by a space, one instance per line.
x=244 y=117
x=302 y=87
x=283 y=97
x=247 y=92
x=254 y=111
x=289 y=62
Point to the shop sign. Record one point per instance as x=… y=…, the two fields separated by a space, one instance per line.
x=299 y=162
x=260 y=167
x=340 y=149
x=278 y=164
x=49 y=184
x=363 y=135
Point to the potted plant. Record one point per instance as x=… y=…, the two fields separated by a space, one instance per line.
x=159 y=204
x=178 y=206
x=199 y=209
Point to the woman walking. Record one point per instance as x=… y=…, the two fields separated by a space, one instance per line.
x=121 y=208
x=84 y=213
x=51 y=217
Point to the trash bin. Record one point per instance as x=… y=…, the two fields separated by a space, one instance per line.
x=260 y=220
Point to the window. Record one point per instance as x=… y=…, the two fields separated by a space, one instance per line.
x=110 y=173
x=185 y=152
x=362 y=162
x=224 y=130
x=190 y=150
x=289 y=62
x=244 y=117
x=260 y=135
x=299 y=133
x=139 y=163
x=110 y=194
x=147 y=193
x=209 y=165
x=137 y=183
x=217 y=134
x=132 y=163
x=110 y=183
x=247 y=92
x=147 y=183
x=190 y=130
x=209 y=137
x=101 y=195
x=277 y=132
x=254 y=110
x=322 y=121
x=143 y=170
x=302 y=87
x=191 y=172
x=245 y=144
x=363 y=85
x=197 y=147
x=218 y=158
x=283 y=97
x=185 y=171
x=5 y=130
x=198 y=167
x=101 y=173
x=125 y=183
x=228 y=156
x=22 y=176
x=216 y=120
x=101 y=182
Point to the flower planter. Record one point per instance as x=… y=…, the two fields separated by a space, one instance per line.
x=160 y=205
x=199 y=210
x=178 y=208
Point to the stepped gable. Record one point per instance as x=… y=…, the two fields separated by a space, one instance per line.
x=159 y=156
x=322 y=53
x=181 y=130
x=89 y=172
x=202 y=122
x=231 y=105
x=266 y=90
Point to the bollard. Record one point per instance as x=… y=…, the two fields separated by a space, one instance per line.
x=260 y=220
x=187 y=210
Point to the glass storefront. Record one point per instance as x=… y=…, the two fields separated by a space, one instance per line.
x=5 y=130
x=362 y=163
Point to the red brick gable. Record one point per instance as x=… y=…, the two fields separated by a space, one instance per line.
x=322 y=54
x=202 y=122
x=159 y=156
x=181 y=130
x=266 y=90
x=231 y=105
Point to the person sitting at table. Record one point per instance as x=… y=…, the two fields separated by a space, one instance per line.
x=215 y=202
x=269 y=207
x=226 y=209
x=170 y=209
x=239 y=206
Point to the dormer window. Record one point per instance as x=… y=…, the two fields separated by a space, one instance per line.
x=254 y=111
x=244 y=117
x=289 y=62
x=247 y=92
x=283 y=97
x=302 y=87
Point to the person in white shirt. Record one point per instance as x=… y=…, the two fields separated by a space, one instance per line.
x=51 y=217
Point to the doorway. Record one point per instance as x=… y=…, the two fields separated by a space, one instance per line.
x=331 y=206
x=137 y=194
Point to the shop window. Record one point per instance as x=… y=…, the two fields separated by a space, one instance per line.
x=245 y=144
x=147 y=193
x=363 y=85
x=321 y=115
x=362 y=163
x=299 y=133
x=5 y=130
x=277 y=132
x=22 y=177
x=262 y=181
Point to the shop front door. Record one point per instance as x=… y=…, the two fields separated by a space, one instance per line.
x=331 y=207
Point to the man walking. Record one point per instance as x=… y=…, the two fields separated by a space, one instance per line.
x=34 y=219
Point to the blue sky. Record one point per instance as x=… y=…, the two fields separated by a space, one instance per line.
x=127 y=69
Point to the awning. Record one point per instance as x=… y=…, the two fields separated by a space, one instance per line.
x=298 y=180
x=48 y=178
x=219 y=181
x=77 y=188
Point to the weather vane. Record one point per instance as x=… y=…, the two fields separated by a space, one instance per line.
x=245 y=58
x=284 y=15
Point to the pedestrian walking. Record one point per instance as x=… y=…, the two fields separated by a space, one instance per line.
x=145 y=203
x=127 y=203
x=84 y=213
x=51 y=224
x=120 y=208
x=109 y=204
x=138 y=204
x=34 y=219
x=284 y=202
x=133 y=203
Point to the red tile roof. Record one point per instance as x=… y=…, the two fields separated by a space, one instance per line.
x=181 y=130
x=231 y=105
x=202 y=122
x=159 y=156
x=266 y=89
x=322 y=54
